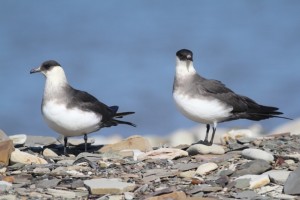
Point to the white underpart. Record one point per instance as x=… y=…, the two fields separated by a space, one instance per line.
x=66 y=121
x=69 y=121
x=202 y=109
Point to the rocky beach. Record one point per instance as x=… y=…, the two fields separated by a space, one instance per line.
x=241 y=165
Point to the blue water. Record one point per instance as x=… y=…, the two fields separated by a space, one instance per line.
x=123 y=52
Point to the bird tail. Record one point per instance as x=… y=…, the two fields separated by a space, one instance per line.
x=115 y=122
x=265 y=112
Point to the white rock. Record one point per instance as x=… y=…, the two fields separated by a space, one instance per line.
x=278 y=176
x=256 y=181
x=187 y=174
x=128 y=195
x=163 y=153
x=204 y=149
x=49 y=153
x=206 y=167
x=18 y=139
x=5 y=186
x=233 y=135
x=18 y=156
x=61 y=193
x=108 y=186
x=257 y=154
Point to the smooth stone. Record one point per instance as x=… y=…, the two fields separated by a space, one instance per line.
x=278 y=176
x=3 y=135
x=206 y=168
x=108 y=186
x=163 y=153
x=187 y=174
x=252 y=167
x=133 y=142
x=173 y=195
x=5 y=186
x=41 y=170
x=234 y=135
x=49 y=153
x=40 y=141
x=18 y=139
x=8 y=197
x=256 y=154
x=256 y=181
x=61 y=193
x=128 y=195
x=6 y=148
x=292 y=184
x=18 y=156
x=46 y=183
x=204 y=149
x=248 y=194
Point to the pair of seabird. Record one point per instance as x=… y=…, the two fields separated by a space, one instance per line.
x=72 y=112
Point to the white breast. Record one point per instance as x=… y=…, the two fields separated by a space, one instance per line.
x=69 y=121
x=201 y=110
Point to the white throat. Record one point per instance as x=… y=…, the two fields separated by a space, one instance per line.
x=55 y=81
x=184 y=68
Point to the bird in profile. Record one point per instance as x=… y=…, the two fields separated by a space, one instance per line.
x=71 y=112
x=210 y=101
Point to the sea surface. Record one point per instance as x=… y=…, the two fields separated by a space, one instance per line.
x=123 y=52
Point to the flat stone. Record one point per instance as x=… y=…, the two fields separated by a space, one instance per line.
x=255 y=154
x=46 y=183
x=278 y=176
x=133 y=142
x=173 y=195
x=49 y=153
x=8 y=197
x=5 y=186
x=248 y=194
x=41 y=170
x=6 y=148
x=204 y=149
x=187 y=174
x=234 y=135
x=206 y=168
x=108 y=186
x=204 y=188
x=40 y=141
x=185 y=166
x=18 y=139
x=252 y=167
x=61 y=193
x=256 y=181
x=18 y=156
x=292 y=184
x=163 y=153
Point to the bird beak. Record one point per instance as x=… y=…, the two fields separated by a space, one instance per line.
x=35 y=70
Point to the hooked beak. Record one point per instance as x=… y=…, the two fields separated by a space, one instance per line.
x=35 y=70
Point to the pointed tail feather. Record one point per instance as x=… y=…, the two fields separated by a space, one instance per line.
x=120 y=115
x=115 y=121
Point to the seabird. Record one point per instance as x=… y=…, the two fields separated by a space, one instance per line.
x=210 y=101
x=71 y=112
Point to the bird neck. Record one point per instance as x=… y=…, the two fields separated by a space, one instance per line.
x=56 y=82
x=184 y=69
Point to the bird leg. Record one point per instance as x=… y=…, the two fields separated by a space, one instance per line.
x=85 y=142
x=65 y=144
x=205 y=141
x=213 y=134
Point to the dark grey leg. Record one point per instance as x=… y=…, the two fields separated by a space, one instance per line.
x=213 y=134
x=207 y=131
x=85 y=142
x=65 y=144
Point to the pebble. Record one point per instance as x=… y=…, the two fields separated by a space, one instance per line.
x=18 y=139
x=133 y=142
x=206 y=168
x=187 y=174
x=49 y=153
x=278 y=176
x=292 y=184
x=5 y=186
x=163 y=153
x=204 y=149
x=256 y=181
x=255 y=154
x=252 y=167
x=173 y=195
x=240 y=134
x=108 y=186
x=18 y=156
x=40 y=141
x=61 y=193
